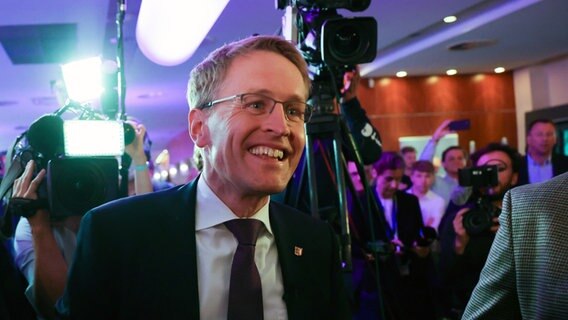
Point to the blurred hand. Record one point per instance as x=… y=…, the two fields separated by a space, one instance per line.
x=495 y=226
x=136 y=149
x=462 y=238
x=26 y=186
x=350 y=83
x=442 y=130
x=421 y=252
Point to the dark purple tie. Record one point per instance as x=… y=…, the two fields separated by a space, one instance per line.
x=245 y=291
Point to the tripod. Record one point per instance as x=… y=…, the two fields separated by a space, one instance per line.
x=323 y=168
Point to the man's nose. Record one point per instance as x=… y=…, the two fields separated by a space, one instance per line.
x=276 y=120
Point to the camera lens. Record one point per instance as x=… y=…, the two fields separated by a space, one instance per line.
x=347 y=42
x=477 y=221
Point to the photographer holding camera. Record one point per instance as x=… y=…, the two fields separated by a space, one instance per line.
x=467 y=231
x=44 y=247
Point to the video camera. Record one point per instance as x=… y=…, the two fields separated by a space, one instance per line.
x=79 y=156
x=330 y=43
x=480 y=218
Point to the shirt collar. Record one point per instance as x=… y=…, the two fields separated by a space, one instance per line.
x=533 y=163
x=211 y=211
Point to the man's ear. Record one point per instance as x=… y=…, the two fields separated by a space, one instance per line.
x=198 y=130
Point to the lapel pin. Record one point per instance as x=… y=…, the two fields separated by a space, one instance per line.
x=298 y=251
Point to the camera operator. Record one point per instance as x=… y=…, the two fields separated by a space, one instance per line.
x=366 y=137
x=463 y=251
x=44 y=248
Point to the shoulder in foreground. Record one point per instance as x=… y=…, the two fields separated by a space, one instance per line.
x=163 y=198
x=556 y=184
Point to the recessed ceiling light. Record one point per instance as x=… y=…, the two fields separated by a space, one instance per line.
x=499 y=70
x=450 y=19
x=401 y=74
x=451 y=72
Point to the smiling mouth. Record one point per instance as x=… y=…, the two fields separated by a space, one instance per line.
x=268 y=152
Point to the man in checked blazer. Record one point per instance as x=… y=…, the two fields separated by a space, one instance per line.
x=525 y=275
x=168 y=255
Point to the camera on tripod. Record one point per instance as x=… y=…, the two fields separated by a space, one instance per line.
x=479 y=219
x=79 y=157
x=330 y=43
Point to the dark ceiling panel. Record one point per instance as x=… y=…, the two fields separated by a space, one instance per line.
x=38 y=44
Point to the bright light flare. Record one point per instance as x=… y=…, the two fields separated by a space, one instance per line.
x=83 y=79
x=84 y=138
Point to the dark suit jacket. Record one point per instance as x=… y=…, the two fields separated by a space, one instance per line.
x=403 y=296
x=559 y=166
x=525 y=275
x=136 y=259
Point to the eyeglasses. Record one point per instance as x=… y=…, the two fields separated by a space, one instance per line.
x=259 y=104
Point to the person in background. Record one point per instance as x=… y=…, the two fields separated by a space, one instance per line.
x=432 y=205
x=408 y=153
x=404 y=263
x=453 y=159
x=168 y=254
x=43 y=249
x=525 y=275
x=541 y=162
x=465 y=241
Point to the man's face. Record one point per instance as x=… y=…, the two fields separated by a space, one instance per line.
x=454 y=160
x=507 y=178
x=241 y=151
x=421 y=181
x=387 y=183
x=541 y=139
x=409 y=158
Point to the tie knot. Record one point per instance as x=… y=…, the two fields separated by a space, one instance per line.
x=245 y=230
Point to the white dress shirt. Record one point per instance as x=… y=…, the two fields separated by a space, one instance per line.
x=216 y=246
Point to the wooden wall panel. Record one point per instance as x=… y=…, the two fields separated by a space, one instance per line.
x=415 y=106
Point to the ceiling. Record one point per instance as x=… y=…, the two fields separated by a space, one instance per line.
x=411 y=37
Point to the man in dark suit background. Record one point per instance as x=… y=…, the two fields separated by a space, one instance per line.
x=541 y=162
x=168 y=255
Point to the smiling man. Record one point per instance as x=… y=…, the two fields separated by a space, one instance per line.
x=169 y=255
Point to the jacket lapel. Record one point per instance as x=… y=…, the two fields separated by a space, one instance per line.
x=284 y=235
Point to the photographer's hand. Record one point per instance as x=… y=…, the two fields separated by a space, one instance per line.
x=136 y=149
x=26 y=187
x=142 y=179
x=421 y=252
x=350 y=84
x=50 y=269
x=462 y=238
x=495 y=227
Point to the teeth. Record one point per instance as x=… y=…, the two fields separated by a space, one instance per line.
x=269 y=152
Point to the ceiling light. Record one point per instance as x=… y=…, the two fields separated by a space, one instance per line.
x=401 y=74
x=169 y=34
x=451 y=72
x=450 y=19
x=499 y=70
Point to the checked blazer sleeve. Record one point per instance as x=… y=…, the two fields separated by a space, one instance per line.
x=525 y=274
